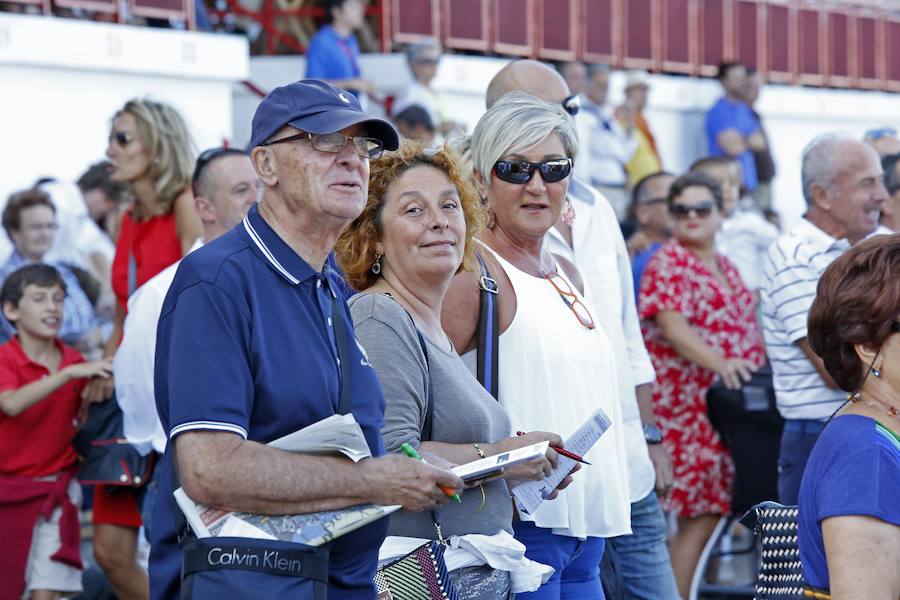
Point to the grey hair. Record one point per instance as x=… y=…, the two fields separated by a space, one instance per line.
x=516 y=122
x=821 y=162
x=414 y=52
x=595 y=68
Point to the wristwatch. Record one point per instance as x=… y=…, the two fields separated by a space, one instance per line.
x=652 y=434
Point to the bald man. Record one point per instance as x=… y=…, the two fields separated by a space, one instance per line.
x=637 y=565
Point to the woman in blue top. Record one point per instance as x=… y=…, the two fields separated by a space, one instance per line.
x=850 y=496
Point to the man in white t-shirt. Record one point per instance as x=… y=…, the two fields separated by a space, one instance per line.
x=225 y=186
x=844 y=192
x=640 y=561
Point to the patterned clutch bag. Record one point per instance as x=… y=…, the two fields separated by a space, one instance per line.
x=420 y=575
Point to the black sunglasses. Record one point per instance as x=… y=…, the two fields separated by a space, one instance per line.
x=572 y=104
x=682 y=211
x=895 y=327
x=521 y=171
x=206 y=157
x=121 y=138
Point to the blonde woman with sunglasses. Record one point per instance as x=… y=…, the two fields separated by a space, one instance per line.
x=556 y=365
x=699 y=323
x=150 y=151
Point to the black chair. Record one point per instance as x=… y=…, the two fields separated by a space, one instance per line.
x=750 y=426
x=780 y=574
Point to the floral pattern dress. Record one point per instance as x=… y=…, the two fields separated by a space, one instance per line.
x=676 y=280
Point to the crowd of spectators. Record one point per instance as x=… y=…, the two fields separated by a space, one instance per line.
x=117 y=288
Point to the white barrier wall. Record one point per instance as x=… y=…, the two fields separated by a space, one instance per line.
x=61 y=81
x=792 y=115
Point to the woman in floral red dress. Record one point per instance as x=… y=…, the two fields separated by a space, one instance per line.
x=699 y=323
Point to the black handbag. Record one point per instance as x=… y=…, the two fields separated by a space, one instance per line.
x=750 y=427
x=108 y=458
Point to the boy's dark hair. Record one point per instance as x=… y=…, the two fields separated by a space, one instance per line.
x=38 y=274
x=97 y=178
x=689 y=180
x=328 y=6
x=12 y=214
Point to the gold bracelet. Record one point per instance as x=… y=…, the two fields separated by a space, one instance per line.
x=480 y=452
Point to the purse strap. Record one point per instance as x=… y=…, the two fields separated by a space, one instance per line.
x=488 y=331
x=428 y=425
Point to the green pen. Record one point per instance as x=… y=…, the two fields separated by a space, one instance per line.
x=411 y=452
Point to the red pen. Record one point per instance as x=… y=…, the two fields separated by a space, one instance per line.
x=563 y=452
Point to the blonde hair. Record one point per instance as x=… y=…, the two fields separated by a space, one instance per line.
x=164 y=133
x=355 y=250
x=516 y=122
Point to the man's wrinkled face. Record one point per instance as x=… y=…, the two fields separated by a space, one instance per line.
x=330 y=184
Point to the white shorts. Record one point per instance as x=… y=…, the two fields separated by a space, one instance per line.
x=42 y=573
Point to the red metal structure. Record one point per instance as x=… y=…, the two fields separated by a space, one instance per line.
x=808 y=42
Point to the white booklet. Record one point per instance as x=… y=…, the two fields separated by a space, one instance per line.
x=493 y=466
x=529 y=495
x=337 y=433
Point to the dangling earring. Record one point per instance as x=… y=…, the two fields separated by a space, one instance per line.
x=376 y=266
x=491 y=218
x=876 y=372
x=568 y=212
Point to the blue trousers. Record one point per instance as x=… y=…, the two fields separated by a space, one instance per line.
x=576 y=563
x=637 y=566
x=797 y=442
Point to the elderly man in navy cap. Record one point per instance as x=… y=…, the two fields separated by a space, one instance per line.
x=255 y=341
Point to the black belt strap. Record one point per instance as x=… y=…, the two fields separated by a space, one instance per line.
x=342 y=335
x=310 y=564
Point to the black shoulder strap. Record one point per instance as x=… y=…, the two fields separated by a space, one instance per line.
x=341 y=335
x=488 y=331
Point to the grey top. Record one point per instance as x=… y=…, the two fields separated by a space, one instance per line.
x=464 y=412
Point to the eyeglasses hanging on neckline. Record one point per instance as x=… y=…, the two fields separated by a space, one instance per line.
x=571 y=299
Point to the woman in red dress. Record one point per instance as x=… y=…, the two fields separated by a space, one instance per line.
x=150 y=150
x=699 y=323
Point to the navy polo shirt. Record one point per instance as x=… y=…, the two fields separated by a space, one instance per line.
x=246 y=345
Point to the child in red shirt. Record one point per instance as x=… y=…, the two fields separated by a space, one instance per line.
x=40 y=387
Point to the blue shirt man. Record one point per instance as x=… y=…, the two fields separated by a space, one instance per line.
x=247 y=347
x=333 y=53
x=731 y=128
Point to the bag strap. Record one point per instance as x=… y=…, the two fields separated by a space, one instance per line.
x=488 y=331
x=341 y=335
x=428 y=425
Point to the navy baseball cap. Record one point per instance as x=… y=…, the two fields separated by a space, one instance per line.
x=314 y=106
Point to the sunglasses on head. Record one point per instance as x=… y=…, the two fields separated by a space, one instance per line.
x=683 y=211
x=521 y=171
x=206 y=157
x=572 y=104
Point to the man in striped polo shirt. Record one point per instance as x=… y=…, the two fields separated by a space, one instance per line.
x=844 y=191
